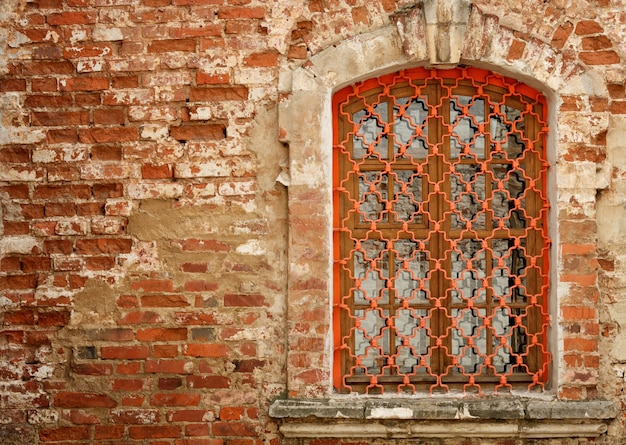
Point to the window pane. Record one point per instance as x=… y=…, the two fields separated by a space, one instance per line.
x=371 y=269
x=411 y=272
x=506 y=129
x=410 y=127
x=373 y=188
x=467 y=113
x=467 y=192
x=408 y=189
x=369 y=139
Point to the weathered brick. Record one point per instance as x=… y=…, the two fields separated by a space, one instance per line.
x=83 y=400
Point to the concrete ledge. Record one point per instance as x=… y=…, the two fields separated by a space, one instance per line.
x=405 y=418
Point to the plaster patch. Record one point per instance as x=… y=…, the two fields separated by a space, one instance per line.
x=391 y=413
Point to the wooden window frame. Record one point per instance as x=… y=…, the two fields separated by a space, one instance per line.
x=436 y=166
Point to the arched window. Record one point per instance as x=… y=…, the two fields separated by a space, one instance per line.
x=440 y=233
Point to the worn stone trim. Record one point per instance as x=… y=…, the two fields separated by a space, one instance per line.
x=485 y=417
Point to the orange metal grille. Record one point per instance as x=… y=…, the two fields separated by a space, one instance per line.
x=440 y=236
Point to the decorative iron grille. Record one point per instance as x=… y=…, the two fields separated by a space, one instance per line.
x=440 y=236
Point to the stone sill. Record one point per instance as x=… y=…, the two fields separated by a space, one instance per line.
x=504 y=417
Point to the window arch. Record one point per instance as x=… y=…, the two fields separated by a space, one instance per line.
x=440 y=234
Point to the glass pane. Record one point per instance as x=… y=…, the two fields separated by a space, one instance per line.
x=371 y=270
x=373 y=196
x=410 y=127
x=468 y=268
x=371 y=339
x=470 y=324
x=509 y=185
x=412 y=266
x=509 y=340
x=407 y=189
x=509 y=263
x=467 y=192
x=467 y=113
x=501 y=126
x=412 y=340
x=369 y=139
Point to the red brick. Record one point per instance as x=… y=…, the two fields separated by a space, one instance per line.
x=49 y=67
x=208 y=94
x=18 y=191
x=162 y=46
x=127 y=385
x=169 y=383
x=13 y=85
x=235 y=429
x=580 y=344
x=62 y=191
x=18 y=282
x=67 y=433
x=109 y=117
x=237 y=300
x=207 y=350
x=102 y=432
x=55 y=318
x=106 y=135
x=175 y=399
x=599 y=58
x=208 y=381
x=154 y=432
x=205 y=132
x=586 y=27
x=516 y=50
x=90 y=209
x=153 y=285
x=212 y=79
x=112 y=190
x=125 y=352
x=195 y=318
x=100 y=263
x=106 y=152
x=32 y=211
x=596 y=43
x=169 y=366
x=23 y=317
x=16 y=228
x=165 y=351
x=194 y=267
x=44 y=85
x=87 y=99
x=61 y=135
x=241 y=13
x=200 y=286
x=232 y=413
x=162 y=334
x=58 y=246
x=164 y=301
x=47 y=101
x=71 y=18
x=204 y=245
x=83 y=400
x=92 y=369
x=261 y=60
x=85 y=84
x=60 y=209
x=57 y=118
x=200 y=429
x=187 y=415
x=156 y=171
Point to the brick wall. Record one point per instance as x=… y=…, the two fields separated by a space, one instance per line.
x=146 y=292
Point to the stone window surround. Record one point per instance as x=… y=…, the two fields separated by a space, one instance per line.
x=305 y=118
